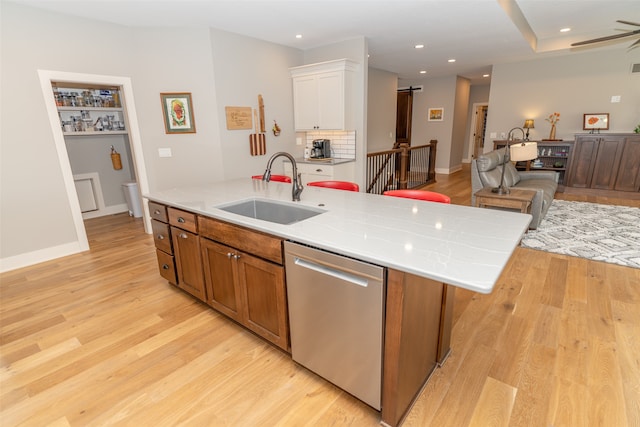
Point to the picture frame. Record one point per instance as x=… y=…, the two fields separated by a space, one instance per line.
x=436 y=114
x=595 y=121
x=177 y=111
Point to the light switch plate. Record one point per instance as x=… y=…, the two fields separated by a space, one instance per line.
x=298 y=140
x=493 y=135
x=615 y=98
x=164 y=152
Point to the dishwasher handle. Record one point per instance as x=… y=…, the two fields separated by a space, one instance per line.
x=339 y=274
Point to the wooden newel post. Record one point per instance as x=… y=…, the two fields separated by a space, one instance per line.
x=432 y=159
x=404 y=162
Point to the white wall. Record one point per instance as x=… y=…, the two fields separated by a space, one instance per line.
x=244 y=68
x=437 y=93
x=176 y=60
x=36 y=221
x=459 y=128
x=572 y=85
x=381 y=110
x=34 y=209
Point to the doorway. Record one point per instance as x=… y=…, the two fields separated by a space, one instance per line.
x=47 y=78
x=404 y=112
x=478 y=127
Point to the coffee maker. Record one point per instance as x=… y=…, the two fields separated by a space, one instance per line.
x=321 y=149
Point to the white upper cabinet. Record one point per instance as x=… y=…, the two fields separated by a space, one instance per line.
x=323 y=95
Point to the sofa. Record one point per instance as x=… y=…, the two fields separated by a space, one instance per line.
x=486 y=171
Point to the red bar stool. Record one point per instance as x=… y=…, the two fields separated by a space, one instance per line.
x=429 y=196
x=338 y=185
x=279 y=178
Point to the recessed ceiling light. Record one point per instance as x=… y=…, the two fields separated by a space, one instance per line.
x=423 y=71
x=485 y=75
x=451 y=60
x=298 y=36
x=419 y=46
x=565 y=30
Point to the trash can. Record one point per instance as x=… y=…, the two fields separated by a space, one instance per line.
x=134 y=203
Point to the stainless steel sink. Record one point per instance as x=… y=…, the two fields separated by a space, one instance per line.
x=272 y=211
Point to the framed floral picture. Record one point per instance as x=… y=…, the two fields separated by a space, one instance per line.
x=596 y=121
x=177 y=112
x=436 y=114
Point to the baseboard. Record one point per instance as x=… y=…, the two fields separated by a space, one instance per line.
x=36 y=257
x=449 y=171
x=108 y=210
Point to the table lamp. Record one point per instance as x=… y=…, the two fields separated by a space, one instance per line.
x=517 y=152
x=528 y=124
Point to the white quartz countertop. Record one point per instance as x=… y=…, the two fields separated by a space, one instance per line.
x=459 y=245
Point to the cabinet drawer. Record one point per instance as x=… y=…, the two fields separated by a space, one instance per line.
x=252 y=242
x=158 y=211
x=161 y=236
x=185 y=220
x=167 y=266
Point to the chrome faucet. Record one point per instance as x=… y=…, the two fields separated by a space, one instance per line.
x=297 y=179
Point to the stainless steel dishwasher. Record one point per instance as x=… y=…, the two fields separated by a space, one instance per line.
x=336 y=314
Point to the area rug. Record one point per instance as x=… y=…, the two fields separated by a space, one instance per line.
x=589 y=230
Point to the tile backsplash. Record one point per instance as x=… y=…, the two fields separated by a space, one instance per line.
x=343 y=143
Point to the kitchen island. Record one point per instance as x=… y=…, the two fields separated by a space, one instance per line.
x=427 y=250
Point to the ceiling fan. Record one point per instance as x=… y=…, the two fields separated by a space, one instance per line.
x=616 y=36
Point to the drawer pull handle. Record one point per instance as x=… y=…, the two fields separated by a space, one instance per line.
x=156 y=212
x=160 y=237
x=165 y=266
x=183 y=236
x=236 y=256
x=318 y=170
x=229 y=255
x=180 y=219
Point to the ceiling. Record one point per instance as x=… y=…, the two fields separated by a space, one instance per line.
x=476 y=33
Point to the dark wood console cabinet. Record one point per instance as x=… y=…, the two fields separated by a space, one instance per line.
x=606 y=163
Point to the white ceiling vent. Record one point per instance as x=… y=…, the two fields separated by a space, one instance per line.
x=635 y=68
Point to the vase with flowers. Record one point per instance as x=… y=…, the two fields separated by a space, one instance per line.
x=553 y=119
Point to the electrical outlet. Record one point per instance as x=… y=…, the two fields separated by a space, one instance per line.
x=298 y=140
x=164 y=152
x=503 y=135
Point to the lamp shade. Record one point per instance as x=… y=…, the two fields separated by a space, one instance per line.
x=528 y=124
x=524 y=151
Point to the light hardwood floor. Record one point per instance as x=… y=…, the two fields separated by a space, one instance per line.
x=99 y=338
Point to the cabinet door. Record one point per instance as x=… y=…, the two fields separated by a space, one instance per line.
x=264 y=295
x=628 y=178
x=583 y=162
x=607 y=163
x=186 y=247
x=331 y=101
x=305 y=102
x=219 y=272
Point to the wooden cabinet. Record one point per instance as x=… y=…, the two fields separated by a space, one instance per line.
x=323 y=96
x=245 y=278
x=162 y=238
x=322 y=172
x=608 y=162
x=628 y=178
x=186 y=246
